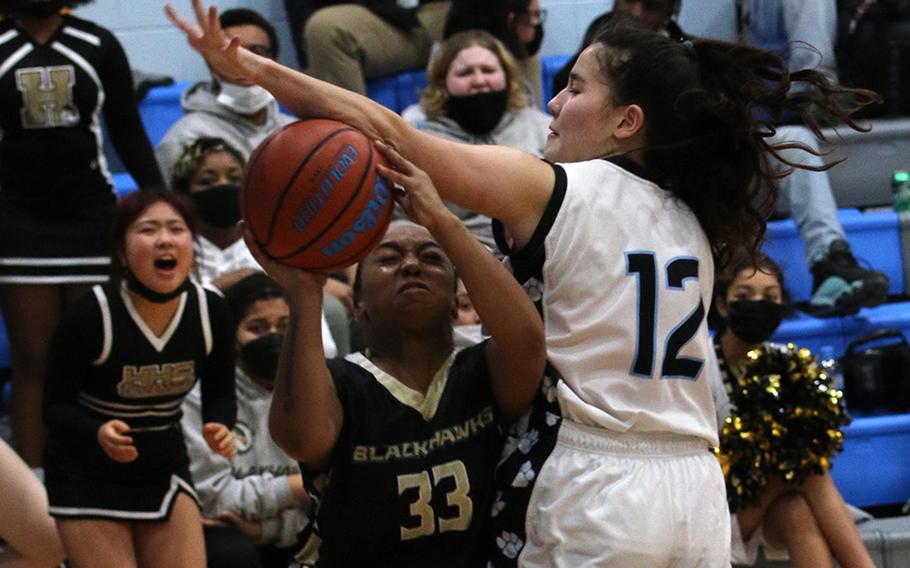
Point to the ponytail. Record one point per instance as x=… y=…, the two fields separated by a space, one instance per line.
x=710 y=111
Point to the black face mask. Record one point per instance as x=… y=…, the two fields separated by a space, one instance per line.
x=480 y=113
x=219 y=205
x=754 y=321
x=37 y=8
x=261 y=355
x=533 y=46
x=138 y=287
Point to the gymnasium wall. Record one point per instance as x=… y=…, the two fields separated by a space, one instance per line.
x=154 y=46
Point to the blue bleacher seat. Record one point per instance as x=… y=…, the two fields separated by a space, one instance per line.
x=812 y=333
x=160 y=109
x=397 y=92
x=872 y=469
x=874 y=237
x=549 y=67
x=4 y=345
x=895 y=315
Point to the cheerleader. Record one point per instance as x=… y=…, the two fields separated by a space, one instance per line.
x=120 y=364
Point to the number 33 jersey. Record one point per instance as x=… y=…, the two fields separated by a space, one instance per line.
x=410 y=482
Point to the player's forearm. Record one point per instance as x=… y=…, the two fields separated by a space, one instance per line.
x=305 y=417
x=506 y=311
x=308 y=97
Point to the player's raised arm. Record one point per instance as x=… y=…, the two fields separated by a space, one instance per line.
x=503 y=183
x=305 y=417
x=517 y=352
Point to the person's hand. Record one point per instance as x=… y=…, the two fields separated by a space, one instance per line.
x=420 y=200
x=115 y=443
x=219 y=439
x=287 y=277
x=222 y=53
x=249 y=528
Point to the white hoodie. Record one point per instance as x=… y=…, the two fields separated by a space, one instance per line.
x=254 y=483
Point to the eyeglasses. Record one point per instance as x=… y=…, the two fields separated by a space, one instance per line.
x=539 y=14
x=259 y=49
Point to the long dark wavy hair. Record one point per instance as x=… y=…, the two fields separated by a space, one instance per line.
x=710 y=111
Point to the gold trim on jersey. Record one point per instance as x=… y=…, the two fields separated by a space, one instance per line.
x=157 y=380
x=427 y=404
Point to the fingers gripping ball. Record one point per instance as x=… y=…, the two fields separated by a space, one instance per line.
x=312 y=197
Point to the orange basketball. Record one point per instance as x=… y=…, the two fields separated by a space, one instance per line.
x=312 y=197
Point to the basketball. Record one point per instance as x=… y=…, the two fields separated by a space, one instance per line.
x=312 y=197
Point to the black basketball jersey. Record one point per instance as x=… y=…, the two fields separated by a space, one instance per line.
x=107 y=364
x=410 y=483
x=51 y=99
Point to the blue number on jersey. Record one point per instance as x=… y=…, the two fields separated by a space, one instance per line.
x=644 y=266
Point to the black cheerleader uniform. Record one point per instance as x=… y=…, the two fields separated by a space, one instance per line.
x=56 y=194
x=104 y=364
x=410 y=481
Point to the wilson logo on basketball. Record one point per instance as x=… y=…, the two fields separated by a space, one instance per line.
x=367 y=219
x=348 y=156
x=312 y=196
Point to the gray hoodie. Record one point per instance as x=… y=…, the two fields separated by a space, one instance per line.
x=205 y=116
x=253 y=483
x=525 y=129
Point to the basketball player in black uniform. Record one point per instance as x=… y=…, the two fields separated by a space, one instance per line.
x=120 y=364
x=58 y=75
x=409 y=431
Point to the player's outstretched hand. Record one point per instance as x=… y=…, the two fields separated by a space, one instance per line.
x=222 y=53
x=219 y=439
x=115 y=443
x=420 y=200
x=287 y=277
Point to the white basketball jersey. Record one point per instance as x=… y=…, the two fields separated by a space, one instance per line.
x=628 y=277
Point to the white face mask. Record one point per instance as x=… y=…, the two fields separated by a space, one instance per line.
x=243 y=99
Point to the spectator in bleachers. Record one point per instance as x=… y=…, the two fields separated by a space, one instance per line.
x=241 y=113
x=809 y=521
x=518 y=24
x=209 y=171
x=873 y=51
x=30 y=537
x=60 y=74
x=657 y=15
x=348 y=43
x=122 y=359
x=803 y=33
x=474 y=95
x=254 y=504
